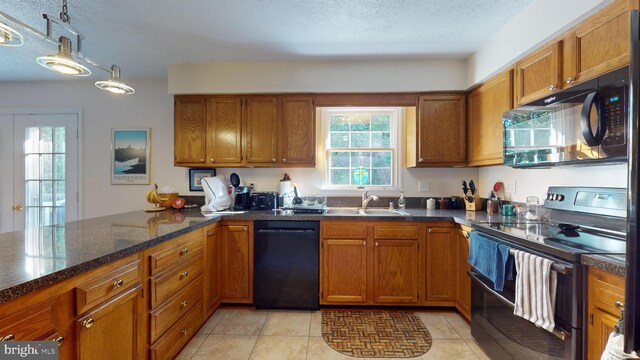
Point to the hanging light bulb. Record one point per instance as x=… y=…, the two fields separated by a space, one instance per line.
x=63 y=62
x=9 y=36
x=114 y=84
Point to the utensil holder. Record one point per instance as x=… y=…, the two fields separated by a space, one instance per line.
x=474 y=205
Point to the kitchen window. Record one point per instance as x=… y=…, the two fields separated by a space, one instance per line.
x=361 y=147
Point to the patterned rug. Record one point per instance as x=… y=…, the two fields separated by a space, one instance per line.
x=375 y=333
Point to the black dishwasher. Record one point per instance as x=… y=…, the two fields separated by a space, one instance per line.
x=286 y=264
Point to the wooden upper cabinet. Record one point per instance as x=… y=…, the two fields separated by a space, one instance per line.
x=598 y=44
x=190 y=129
x=487 y=103
x=538 y=74
x=438 y=136
x=224 y=130
x=261 y=129
x=441 y=259
x=298 y=140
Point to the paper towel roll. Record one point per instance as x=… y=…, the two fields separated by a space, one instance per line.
x=431 y=204
x=285 y=187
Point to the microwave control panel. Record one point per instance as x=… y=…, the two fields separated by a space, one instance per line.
x=613 y=102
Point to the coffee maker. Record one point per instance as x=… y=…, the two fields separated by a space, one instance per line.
x=242 y=198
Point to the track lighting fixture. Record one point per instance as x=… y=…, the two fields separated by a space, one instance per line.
x=114 y=84
x=63 y=61
x=9 y=36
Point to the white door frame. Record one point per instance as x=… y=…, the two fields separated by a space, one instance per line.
x=58 y=111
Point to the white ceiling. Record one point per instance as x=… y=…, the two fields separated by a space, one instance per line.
x=144 y=36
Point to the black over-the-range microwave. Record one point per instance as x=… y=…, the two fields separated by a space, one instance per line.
x=583 y=124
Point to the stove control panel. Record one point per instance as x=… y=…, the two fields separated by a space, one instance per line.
x=592 y=200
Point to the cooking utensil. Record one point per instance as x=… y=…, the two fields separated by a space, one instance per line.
x=465 y=189
x=472 y=187
x=297 y=200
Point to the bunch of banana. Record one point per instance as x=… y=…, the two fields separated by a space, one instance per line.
x=153 y=197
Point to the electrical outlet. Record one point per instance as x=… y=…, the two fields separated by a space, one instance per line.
x=423 y=186
x=510 y=187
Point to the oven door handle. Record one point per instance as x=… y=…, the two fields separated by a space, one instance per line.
x=563 y=335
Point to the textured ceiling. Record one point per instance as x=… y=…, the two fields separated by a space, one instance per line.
x=145 y=36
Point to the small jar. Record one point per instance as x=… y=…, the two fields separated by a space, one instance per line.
x=492 y=206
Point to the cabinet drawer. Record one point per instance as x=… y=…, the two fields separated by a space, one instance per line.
x=395 y=232
x=178 y=335
x=344 y=231
x=33 y=323
x=104 y=287
x=187 y=247
x=171 y=281
x=605 y=289
x=175 y=307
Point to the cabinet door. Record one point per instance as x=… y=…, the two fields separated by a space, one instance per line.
x=261 y=133
x=604 y=289
x=395 y=271
x=237 y=264
x=224 y=130
x=539 y=74
x=463 y=299
x=298 y=144
x=343 y=271
x=441 y=130
x=110 y=329
x=212 y=270
x=487 y=103
x=441 y=258
x=190 y=130
x=598 y=45
x=602 y=325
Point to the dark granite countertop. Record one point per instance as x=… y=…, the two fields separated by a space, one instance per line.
x=614 y=264
x=38 y=258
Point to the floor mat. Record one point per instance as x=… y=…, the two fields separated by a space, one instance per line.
x=375 y=333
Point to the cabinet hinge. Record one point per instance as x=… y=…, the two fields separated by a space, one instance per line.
x=591 y=318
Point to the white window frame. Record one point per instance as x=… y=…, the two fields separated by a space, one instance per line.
x=397 y=114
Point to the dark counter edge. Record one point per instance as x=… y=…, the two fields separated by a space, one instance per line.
x=48 y=280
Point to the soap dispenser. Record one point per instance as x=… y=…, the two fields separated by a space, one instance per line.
x=401 y=201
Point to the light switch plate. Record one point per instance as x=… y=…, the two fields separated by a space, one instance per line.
x=423 y=186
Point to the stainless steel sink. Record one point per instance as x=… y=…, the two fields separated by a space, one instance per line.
x=367 y=212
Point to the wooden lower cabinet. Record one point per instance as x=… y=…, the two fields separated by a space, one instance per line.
x=236 y=259
x=111 y=329
x=369 y=263
x=463 y=293
x=604 y=290
x=441 y=260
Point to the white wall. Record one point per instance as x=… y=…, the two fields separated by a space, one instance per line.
x=328 y=76
x=537 y=23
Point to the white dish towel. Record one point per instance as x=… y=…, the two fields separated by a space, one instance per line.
x=535 y=289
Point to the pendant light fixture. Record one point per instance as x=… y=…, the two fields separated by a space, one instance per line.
x=9 y=36
x=114 y=84
x=63 y=61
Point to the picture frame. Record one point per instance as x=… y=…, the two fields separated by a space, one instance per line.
x=131 y=156
x=195 y=175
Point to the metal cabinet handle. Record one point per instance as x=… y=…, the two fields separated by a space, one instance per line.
x=421 y=160
x=201 y=160
x=18 y=207
x=430 y=230
x=184 y=331
x=376 y=243
x=364 y=243
x=210 y=232
x=184 y=251
x=569 y=80
x=88 y=323
x=59 y=340
x=552 y=87
x=620 y=305
x=284 y=160
x=184 y=303
x=185 y=274
x=118 y=283
x=213 y=160
x=273 y=160
x=9 y=337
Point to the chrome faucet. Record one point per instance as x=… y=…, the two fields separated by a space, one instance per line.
x=366 y=199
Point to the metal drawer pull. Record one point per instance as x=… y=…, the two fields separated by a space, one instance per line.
x=88 y=323
x=59 y=340
x=555 y=267
x=118 y=283
x=376 y=243
x=185 y=274
x=552 y=87
x=184 y=303
x=184 y=331
x=9 y=337
x=184 y=251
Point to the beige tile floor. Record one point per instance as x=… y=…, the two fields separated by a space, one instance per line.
x=239 y=334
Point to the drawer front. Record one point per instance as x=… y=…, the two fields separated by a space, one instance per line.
x=187 y=248
x=178 y=335
x=105 y=287
x=176 y=307
x=344 y=231
x=168 y=283
x=395 y=232
x=33 y=323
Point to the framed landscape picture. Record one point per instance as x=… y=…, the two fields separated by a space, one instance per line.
x=195 y=178
x=130 y=156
